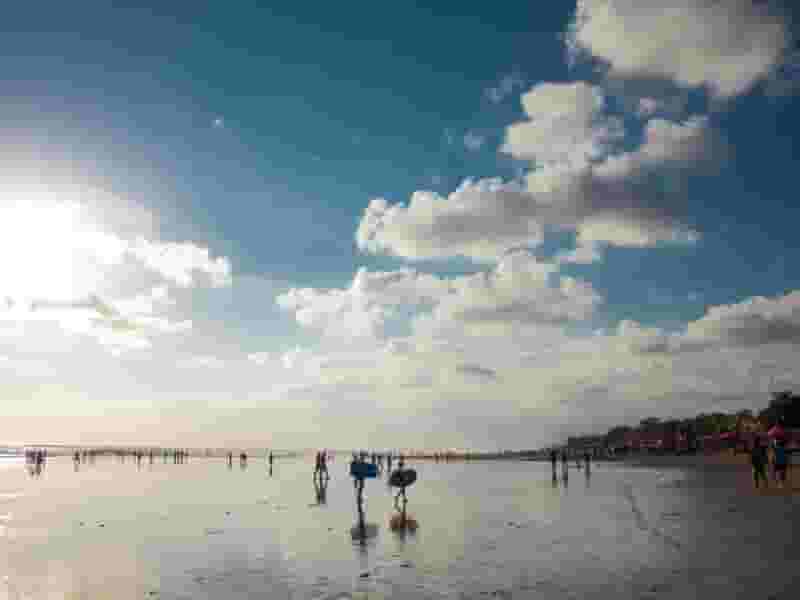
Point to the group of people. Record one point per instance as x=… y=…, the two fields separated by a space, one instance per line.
x=760 y=460
x=243 y=456
x=375 y=458
x=35 y=459
x=555 y=455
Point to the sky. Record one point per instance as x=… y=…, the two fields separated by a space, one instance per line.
x=470 y=226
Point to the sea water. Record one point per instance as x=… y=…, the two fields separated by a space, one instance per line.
x=485 y=530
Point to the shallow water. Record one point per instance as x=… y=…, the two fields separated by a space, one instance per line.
x=486 y=529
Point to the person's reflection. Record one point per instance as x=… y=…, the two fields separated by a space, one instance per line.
x=321 y=490
x=588 y=478
x=401 y=523
x=362 y=531
x=35 y=469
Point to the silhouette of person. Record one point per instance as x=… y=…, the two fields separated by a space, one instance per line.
x=320 y=489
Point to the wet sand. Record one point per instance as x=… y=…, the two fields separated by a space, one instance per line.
x=737 y=466
x=486 y=530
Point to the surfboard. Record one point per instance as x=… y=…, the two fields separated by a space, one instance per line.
x=362 y=470
x=403 y=478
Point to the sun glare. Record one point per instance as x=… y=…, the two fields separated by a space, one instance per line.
x=50 y=249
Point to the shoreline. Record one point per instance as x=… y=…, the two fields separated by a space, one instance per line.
x=735 y=468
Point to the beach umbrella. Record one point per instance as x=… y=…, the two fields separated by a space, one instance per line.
x=777 y=432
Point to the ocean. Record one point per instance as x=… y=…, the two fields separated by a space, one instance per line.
x=494 y=529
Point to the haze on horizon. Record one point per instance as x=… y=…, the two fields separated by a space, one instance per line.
x=328 y=226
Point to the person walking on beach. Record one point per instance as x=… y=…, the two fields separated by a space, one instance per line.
x=758 y=458
x=781 y=463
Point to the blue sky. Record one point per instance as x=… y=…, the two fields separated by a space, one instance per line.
x=259 y=135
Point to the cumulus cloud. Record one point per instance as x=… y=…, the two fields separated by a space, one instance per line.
x=61 y=266
x=520 y=290
x=180 y=262
x=726 y=46
x=480 y=220
x=120 y=325
x=755 y=322
x=566 y=124
x=364 y=309
x=628 y=199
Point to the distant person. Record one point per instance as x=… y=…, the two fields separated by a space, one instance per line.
x=758 y=458
x=781 y=463
x=356 y=459
x=323 y=464
x=554 y=459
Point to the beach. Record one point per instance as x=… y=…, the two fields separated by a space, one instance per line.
x=486 y=529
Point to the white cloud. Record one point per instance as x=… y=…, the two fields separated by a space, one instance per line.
x=126 y=324
x=727 y=46
x=481 y=220
x=755 y=322
x=180 y=262
x=632 y=198
x=61 y=266
x=566 y=124
x=364 y=309
x=520 y=290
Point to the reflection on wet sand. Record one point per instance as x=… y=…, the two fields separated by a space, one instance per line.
x=204 y=532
